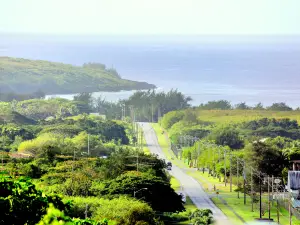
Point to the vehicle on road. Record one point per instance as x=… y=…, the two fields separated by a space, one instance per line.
x=169 y=167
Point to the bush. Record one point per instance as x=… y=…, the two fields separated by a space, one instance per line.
x=154 y=190
x=56 y=217
x=21 y=203
x=123 y=210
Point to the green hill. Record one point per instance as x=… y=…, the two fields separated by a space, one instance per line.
x=26 y=76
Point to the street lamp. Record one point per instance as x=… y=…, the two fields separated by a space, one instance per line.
x=134 y=192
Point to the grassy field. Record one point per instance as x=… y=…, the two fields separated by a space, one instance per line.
x=227 y=201
x=145 y=147
x=227 y=116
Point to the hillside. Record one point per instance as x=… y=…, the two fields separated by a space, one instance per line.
x=27 y=76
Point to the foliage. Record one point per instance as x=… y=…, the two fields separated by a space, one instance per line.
x=272 y=128
x=227 y=136
x=39 y=109
x=281 y=106
x=201 y=217
x=242 y=106
x=170 y=118
x=266 y=158
x=146 y=104
x=24 y=76
x=21 y=203
x=123 y=210
x=148 y=187
x=57 y=217
x=85 y=101
x=221 y=104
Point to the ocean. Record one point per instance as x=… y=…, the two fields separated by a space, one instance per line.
x=238 y=69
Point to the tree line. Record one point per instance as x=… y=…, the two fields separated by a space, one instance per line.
x=226 y=105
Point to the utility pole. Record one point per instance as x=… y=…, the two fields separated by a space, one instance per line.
x=260 y=203
x=141 y=139
x=272 y=188
x=124 y=111
x=225 y=172
x=88 y=144
x=219 y=162
x=158 y=113
x=237 y=176
x=137 y=135
x=269 y=203
x=244 y=177
x=230 y=172
x=252 y=192
x=137 y=161
x=214 y=162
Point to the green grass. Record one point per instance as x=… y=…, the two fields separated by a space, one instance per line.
x=228 y=116
x=189 y=204
x=175 y=184
x=146 y=150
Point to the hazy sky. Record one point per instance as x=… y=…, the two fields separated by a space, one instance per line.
x=151 y=16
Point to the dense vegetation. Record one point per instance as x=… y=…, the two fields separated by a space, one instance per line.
x=74 y=168
x=266 y=139
x=25 y=76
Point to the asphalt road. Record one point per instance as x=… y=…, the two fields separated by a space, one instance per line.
x=190 y=186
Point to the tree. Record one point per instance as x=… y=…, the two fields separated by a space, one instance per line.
x=281 y=106
x=21 y=203
x=57 y=217
x=221 y=104
x=85 y=102
x=153 y=190
x=266 y=158
x=171 y=118
x=242 y=106
x=227 y=136
x=259 y=106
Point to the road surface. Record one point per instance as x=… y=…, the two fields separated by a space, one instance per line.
x=190 y=186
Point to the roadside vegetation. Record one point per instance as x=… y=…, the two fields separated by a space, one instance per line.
x=265 y=139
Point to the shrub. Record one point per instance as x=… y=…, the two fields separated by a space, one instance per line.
x=21 y=203
x=123 y=210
